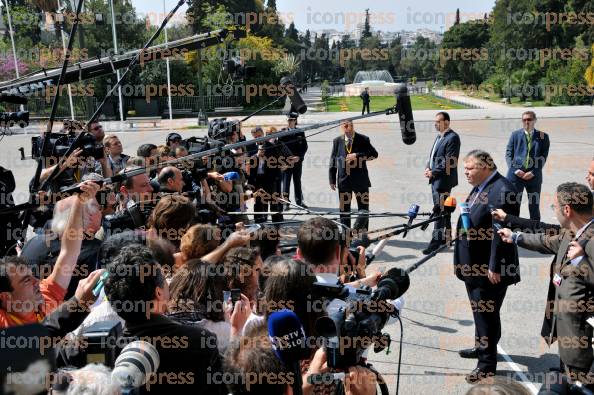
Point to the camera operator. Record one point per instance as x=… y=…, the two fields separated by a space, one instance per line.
x=229 y=195
x=171 y=180
x=42 y=250
x=76 y=165
x=96 y=130
x=115 y=158
x=173 y=141
x=135 y=189
x=321 y=243
x=24 y=298
x=136 y=280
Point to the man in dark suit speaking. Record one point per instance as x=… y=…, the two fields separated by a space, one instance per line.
x=442 y=172
x=482 y=260
x=348 y=171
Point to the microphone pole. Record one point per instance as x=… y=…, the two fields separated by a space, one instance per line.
x=35 y=187
x=95 y=115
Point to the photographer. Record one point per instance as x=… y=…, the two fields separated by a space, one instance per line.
x=80 y=162
x=134 y=189
x=139 y=293
x=321 y=244
x=171 y=180
x=41 y=250
x=115 y=158
x=23 y=298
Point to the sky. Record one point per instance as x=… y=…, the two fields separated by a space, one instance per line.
x=343 y=15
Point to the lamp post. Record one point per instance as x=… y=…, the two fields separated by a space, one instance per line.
x=115 y=48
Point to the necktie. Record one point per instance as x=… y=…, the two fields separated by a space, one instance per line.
x=472 y=197
x=437 y=140
x=349 y=146
x=529 y=144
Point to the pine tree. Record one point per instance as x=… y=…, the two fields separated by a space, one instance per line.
x=367 y=28
x=457 y=17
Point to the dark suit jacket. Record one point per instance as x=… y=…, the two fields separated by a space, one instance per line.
x=534 y=226
x=296 y=143
x=574 y=299
x=482 y=249
x=355 y=176
x=183 y=349
x=445 y=162
x=274 y=160
x=515 y=154
x=365 y=97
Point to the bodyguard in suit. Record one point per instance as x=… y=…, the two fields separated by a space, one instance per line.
x=483 y=261
x=366 y=100
x=442 y=172
x=573 y=275
x=297 y=144
x=348 y=171
x=526 y=155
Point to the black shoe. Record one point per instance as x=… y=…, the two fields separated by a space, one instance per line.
x=302 y=205
x=478 y=375
x=431 y=248
x=469 y=353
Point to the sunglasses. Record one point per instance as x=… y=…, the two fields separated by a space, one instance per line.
x=527 y=120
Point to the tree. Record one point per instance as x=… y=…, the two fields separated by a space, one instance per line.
x=463 y=48
x=457 y=17
x=292 y=32
x=367 y=27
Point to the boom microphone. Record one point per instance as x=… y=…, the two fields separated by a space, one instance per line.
x=392 y=285
x=407 y=123
x=297 y=103
x=288 y=342
x=13 y=98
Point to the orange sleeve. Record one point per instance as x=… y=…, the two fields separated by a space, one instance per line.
x=53 y=294
x=4 y=321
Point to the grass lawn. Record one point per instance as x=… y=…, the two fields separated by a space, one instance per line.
x=378 y=103
x=516 y=102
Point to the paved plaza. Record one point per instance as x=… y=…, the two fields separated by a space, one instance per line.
x=437 y=317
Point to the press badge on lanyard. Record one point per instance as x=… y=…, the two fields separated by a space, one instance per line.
x=557 y=279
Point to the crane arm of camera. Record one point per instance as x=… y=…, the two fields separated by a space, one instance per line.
x=35 y=185
x=95 y=115
x=106 y=65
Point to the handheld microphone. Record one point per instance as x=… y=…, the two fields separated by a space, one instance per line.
x=412 y=214
x=135 y=364
x=231 y=176
x=449 y=205
x=370 y=256
x=288 y=342
x=465 y=216
x=393 y=284
x=407 y=123
x=13 y=98
x=297 y=102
